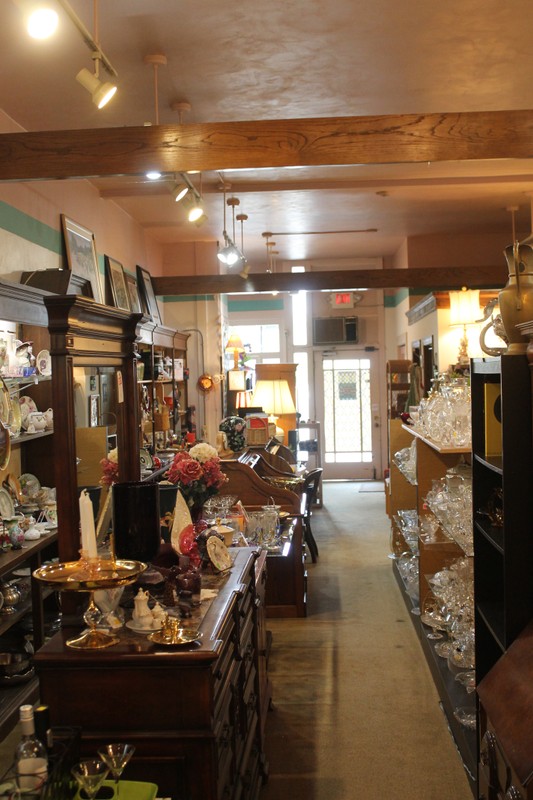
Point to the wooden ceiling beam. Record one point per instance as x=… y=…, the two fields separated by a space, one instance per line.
x=490 y=277
x=266 y=143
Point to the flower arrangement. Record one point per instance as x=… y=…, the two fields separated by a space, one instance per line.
x=197 y=473
x=109 y=468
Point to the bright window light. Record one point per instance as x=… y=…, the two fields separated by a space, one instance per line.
x=299 y=319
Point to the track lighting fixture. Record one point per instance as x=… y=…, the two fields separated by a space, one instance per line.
x=180 y=190
x=101 y=92
x=230 y=255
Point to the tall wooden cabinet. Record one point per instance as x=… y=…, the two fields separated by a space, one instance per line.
x=503 y=546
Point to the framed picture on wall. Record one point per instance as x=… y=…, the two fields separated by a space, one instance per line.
x=117 y=283
x=147 y=293
x=133 y=292
x=81 y=255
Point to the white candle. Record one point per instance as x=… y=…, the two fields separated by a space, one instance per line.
x=88 y=535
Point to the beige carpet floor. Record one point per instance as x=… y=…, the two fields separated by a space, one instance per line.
x=355 y=714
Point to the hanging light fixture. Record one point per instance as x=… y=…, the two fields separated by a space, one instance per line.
x=180 y=190
x=230 y=253
x=101 y=91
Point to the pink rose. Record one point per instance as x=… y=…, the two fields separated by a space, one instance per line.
x=189 y=471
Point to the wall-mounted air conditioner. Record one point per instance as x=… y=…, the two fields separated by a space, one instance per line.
x=334 y=330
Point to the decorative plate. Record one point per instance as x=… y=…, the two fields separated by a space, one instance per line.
x=133 y=627
x=16 y=423
x=218 y=554
x=183 y=637
x=5 y=446
x=27 y=404
x=29 y=484
x=7 y=509
x=6 y=410
x=44 y=362
x=146 y=459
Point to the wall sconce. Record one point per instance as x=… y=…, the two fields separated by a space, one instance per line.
x=464 y=310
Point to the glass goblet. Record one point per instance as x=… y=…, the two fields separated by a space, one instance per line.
x=90 y=775
x=116 y=756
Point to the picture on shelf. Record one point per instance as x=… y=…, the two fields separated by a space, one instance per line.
x=133 y=292
x=147 y=293
x=81 y=254
x=117 y=283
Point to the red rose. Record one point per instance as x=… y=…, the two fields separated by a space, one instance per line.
x=189 y=471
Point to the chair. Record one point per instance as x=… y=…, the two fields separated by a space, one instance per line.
x=309 y=492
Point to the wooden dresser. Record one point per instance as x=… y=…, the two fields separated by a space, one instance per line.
x=196 y=716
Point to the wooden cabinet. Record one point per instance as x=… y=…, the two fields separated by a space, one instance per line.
x=503 y=506
x=162 y=383
x=22 y=308
x=196 y=716
x=398 y=385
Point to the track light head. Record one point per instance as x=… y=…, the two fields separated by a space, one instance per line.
x=179 y=191
x=101 y=92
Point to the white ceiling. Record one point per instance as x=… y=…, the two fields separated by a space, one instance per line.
x=255 y=60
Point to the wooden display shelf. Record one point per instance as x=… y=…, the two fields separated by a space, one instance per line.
x=435 y=445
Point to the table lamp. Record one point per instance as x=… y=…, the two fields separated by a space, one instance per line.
x=236 y=376
x=274 y=397
x=464 y=310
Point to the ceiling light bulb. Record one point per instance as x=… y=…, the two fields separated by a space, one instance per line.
x=42 y=23
x=179 y=191
x=153 y=175
x=101 y=92
x=195 y=213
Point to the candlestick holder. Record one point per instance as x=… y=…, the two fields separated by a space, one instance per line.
x=88 y=575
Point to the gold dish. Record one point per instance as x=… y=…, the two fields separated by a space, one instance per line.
x=79 y=576
x=177 y=638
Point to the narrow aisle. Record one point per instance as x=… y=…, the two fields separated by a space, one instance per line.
x=356 y=714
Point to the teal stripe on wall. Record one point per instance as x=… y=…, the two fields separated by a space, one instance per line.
x=393 y=300
x=256 y=305
x=21 y=224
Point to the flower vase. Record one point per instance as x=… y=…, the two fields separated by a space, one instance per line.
x=196 y=512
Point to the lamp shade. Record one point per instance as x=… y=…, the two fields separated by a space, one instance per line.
x=464 y=307
x=235 y=343
x=236 y=380
x=274 y=397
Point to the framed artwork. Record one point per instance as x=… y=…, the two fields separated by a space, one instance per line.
x=94 y=402
x=146 y=289
x=81 y=255
x=117 y=282
x=133 y=292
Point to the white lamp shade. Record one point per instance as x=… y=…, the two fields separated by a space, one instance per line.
x=464 y=307
x=274 y=397
x=236 y=380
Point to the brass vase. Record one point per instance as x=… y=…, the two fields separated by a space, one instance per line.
x=516 y=298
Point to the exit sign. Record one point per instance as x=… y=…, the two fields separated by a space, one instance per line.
x=342 y=300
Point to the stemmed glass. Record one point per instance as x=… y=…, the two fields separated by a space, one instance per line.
x=90 y=775
x=116 y=756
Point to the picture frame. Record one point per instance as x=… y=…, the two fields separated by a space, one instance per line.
x=117 y=282
x=146 y=289
x=82 y=259
x=133 y=292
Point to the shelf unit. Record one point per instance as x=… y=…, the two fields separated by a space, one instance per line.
x=398 y=385
x=504 y=554
x=163 y=400
x=432 y=462
x=312 y=432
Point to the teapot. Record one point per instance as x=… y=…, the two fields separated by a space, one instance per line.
x=36 y=420
x=49 y=416
x=516 y=298
x=142 y=616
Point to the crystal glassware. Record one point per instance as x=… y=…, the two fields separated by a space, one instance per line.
x=90 y=775
x=116 y=756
